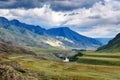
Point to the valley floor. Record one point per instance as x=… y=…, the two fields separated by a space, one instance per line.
x=106 y=67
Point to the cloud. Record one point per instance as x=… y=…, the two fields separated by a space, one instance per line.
x=54 y=4
x=104 y=31
x=96 y=21
x=44 y=16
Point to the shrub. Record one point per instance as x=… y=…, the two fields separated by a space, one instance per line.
x=75 y=57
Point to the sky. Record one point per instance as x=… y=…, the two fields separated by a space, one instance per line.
x=92 y=18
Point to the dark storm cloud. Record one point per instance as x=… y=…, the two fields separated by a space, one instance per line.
x=54 y=4
x=19 y=4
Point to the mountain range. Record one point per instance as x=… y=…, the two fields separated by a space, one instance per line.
x=29 y=35
x=112 y=46
x=104 y=41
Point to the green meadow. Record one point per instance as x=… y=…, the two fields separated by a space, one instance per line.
x=96 y=58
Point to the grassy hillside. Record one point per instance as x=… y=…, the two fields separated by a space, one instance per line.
x=97 y=58
x=112 y=46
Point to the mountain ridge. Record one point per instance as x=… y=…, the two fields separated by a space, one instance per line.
x=33 y=32
x=72 y=35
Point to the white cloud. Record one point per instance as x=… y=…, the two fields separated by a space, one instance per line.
x=39 y=16
x=104 y=31
x=99 y=18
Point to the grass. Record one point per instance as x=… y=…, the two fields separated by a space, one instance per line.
x=53 y=70
x=71 y=71
x=49 y=53
x=40 y=51
x=91 y=66
x=100 y=58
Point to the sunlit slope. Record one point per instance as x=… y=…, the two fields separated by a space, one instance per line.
x=97 y=58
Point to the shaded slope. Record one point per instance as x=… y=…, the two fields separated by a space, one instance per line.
x=32 y=28
x=112 y=46
x=7 y=24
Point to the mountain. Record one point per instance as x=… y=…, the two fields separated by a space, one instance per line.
x=32 y=28
x=22 y=34
x=112 y=46
x=8 y=48
x=76 y=39
x=104 y=41
x=36 y=36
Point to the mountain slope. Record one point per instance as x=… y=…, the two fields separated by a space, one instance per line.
x=78 y=40
x=112 y=46
x=35 y=36
x=8 y=48
x=32 y=28
x=22 y=34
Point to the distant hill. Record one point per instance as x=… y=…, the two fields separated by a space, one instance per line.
x=112 y=46
x=36 y=36
x=104 y=41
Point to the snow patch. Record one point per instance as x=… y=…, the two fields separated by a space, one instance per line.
x=64 y=38
x=54 y=43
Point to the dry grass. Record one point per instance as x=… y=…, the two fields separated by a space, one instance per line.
x=53 y=70
x=70 y=71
